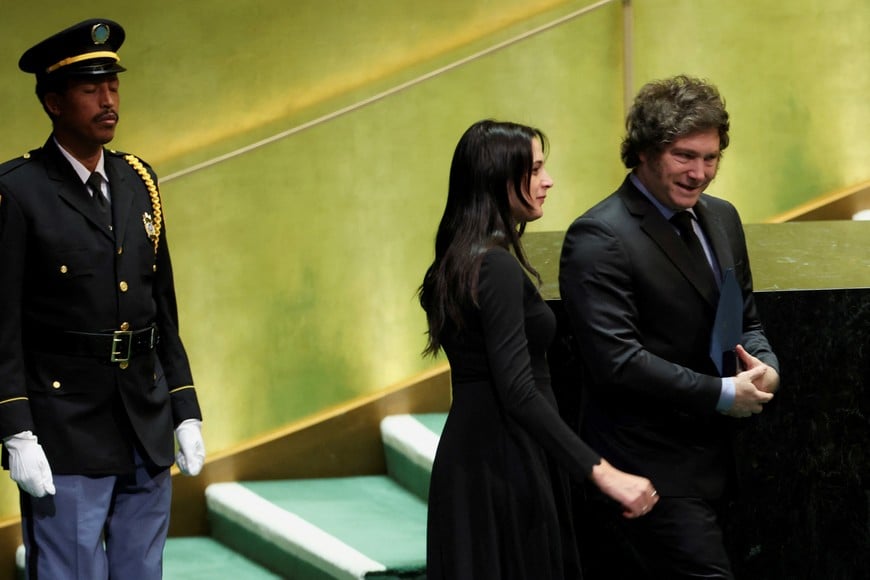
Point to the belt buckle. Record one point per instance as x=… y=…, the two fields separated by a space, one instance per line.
x=118 y=338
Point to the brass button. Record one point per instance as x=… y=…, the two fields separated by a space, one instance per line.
x=154 y=267
x=110 y=227
x=123 y=286
x=56 y=384
x=120 y=250
x=64 y=269
x=125 y=326
x=123 y=364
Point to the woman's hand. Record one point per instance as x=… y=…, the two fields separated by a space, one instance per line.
x=634 y=493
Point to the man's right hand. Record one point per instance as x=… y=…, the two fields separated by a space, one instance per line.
x=748 y=399
x=28 y=466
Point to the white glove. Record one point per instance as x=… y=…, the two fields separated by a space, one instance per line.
x=191 y=447
x=28 y=466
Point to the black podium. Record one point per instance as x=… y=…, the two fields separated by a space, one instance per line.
x=803 y=509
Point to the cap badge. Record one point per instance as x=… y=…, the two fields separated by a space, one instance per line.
x=100 y=33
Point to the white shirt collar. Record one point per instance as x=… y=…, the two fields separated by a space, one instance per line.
x=80 y=169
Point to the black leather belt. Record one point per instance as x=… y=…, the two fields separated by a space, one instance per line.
x=117 y=346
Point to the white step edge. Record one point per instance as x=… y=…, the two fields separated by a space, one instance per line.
x=289 y=531
x=410 y=437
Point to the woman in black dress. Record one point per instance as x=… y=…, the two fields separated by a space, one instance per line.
x=492 y=501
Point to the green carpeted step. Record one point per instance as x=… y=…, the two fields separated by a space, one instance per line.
x=409 y=447
x=318 y=529
x=202 y=558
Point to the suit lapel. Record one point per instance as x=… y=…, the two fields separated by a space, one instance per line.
x=122 y=197
x=71 y=189
x=662 y=233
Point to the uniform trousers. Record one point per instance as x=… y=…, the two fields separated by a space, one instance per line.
x=99 y=528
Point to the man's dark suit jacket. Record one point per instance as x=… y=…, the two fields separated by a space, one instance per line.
x=642 y=326
x=64 y=269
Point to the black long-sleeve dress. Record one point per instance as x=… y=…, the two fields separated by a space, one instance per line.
x=495 y=511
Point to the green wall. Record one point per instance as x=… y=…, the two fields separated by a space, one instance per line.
x=297 y=261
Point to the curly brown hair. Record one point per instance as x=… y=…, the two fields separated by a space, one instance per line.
x=667 y=109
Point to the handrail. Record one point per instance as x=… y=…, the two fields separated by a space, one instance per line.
x=840 y=204
x=391 y=91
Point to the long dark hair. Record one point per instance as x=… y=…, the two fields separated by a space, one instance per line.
x=492 y=161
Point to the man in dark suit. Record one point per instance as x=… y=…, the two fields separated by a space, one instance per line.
x=94 y=378
x=642 y=310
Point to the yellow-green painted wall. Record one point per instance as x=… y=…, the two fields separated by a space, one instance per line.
x=297 y=261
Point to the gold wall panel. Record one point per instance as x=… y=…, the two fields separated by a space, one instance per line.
x=297 y=261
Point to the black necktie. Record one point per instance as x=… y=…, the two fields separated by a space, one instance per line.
x=683 y=221
x=94 y=182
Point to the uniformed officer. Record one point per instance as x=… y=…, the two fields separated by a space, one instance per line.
x=94 y=378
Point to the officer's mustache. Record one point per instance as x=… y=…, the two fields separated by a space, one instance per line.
x=106 y=116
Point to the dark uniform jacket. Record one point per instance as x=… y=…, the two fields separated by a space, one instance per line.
x=643 y=324
x=64 y=268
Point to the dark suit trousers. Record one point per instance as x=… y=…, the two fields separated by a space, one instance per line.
x=680 y=538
